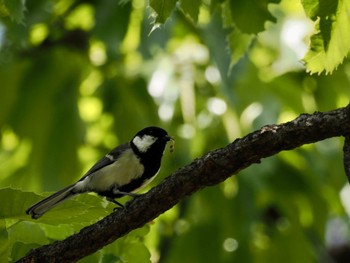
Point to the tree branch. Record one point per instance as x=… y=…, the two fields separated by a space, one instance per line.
x=211 y=169
x=346 y=159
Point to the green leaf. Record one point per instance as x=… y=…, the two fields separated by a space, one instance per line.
x=256 y=11
x=20 y=249
x=4 y=244
x=191 y=8
x=125 y=247
x=27 y=233
x=331 y=44
x=316 y=8
x=15 y=9
x=163 y=9
x=77 y=212
x=112 y=21
x=57 y=232
x=21 y=233
x=238 y=43
x=143 y=255
x=16 y=204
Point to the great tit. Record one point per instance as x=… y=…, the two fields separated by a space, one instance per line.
x=123 y=171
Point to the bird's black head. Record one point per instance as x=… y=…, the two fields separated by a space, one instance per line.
x=150 y=141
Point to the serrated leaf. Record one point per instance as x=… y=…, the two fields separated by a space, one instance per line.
x=316 y=8
x=163 y=9
x=331 y=44
x=238 y=44
x=250 y=15
x=191 y=8
x=15 y=9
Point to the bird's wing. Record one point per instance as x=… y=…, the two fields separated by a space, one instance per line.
x=107 y=159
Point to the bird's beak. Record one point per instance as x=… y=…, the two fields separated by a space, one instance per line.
x=168 y=138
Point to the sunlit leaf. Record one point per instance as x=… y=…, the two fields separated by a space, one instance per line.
x=316 y=8
x=331 y=42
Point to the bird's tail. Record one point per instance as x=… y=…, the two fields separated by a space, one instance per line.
x=40 y=208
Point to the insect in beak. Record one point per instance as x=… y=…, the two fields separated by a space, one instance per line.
x=172 y=145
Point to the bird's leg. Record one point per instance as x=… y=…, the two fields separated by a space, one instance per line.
x=116 y=191
x=128 y=194
x=112 y=200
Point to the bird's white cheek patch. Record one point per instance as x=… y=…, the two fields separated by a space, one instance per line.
x=143 y=143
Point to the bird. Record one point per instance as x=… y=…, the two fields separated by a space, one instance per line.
x=122 y=172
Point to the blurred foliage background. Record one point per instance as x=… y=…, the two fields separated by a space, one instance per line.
x=79 y=77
